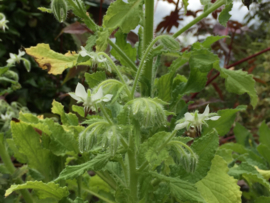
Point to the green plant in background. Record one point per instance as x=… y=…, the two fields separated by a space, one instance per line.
x=128 y=133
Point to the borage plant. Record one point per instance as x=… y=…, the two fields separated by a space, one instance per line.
x=132 y=145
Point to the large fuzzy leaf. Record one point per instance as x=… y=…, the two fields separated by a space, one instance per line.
x=124 y=15
x=218 y=186
x=264 y=133
x=95 y=78
x=239 y=82
x=183 y=191
x=96 y=163
x=44 y=190
x=50 y=60
x=28 y=142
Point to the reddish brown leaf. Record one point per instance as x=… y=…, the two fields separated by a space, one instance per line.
x=260 y=81
x=169 y=21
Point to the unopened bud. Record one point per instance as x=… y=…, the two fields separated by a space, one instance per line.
x=189 y=162
x=169 y=42
x=59 y=9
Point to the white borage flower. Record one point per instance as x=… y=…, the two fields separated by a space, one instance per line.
x=196 y=120
x=89 y=99
x=3 y=22
x=6 y=117
x=95 y=58
x=15 y=58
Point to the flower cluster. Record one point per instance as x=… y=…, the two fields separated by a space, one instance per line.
x=89 y=99
x=196 y=120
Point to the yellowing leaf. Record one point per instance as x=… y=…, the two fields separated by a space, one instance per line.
x=55 y=62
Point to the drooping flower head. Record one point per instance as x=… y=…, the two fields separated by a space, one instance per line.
x=95 y=58
x=3 y=22
x=89 y=99
x=196 y=120
x=15 y=58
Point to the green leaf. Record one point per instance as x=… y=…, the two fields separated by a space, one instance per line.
x=95 y=78
x=264 y=151
x=124 y=15
x=19 y=156
x=164 y=86
x=196 y=82
x=125 y=47
x=183 y=191
x=67 y=119
x=102 y=40
x=203 y=59
x=244 y=167
x=242 y=135
x=218 y=186
x=91 y=41
x=235 y=147
x=211 y=39
x=46 y=58
x=78 y=109
x=169 y=42
x=264 y=133
x=224 y=16
x=205 y=148
x=152 y=143
x=95 y=164
x=44 y=190
x=226 y=154
x=205 y=2
x=262 y=200
x=185 y=2
x=176 y=64
x=256 y=178
x=28 y=142
x=45 y=10
x=240 y=82
x=224 y=123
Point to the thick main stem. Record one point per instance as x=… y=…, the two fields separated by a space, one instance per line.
x=214 y=7
x=147 y=38
x=10 y=167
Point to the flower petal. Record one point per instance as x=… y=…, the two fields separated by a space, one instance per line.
x=181 y=125
x=107 y=97
x=214 y=118
x=206 y=111
x=74 y=96
x=189 y=117
x=98 y=95
x=80 y=91
x=83 y=52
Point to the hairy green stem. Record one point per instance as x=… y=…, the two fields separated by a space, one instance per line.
x=132 y=161
x=118 y=72
x=123 y=55
x=10 y=167
x=214 y=7
x=142 y=64
x=79 y=183
x=107 y=178
x=98 y=195
x=104 y=112
x=148 y=34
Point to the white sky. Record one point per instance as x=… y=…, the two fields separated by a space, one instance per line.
x=164 y=8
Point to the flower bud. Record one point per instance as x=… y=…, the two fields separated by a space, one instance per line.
x=170 y=42
x=59 y=9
